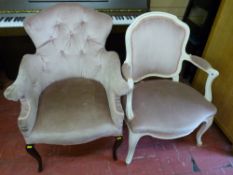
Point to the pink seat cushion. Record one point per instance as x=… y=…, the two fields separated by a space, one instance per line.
x=164 y=106
x=73 y=111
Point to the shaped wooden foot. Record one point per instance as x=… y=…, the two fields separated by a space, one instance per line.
x=116 y=145
x=33 y=152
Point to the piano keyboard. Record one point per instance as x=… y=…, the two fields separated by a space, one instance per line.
x=11 y=20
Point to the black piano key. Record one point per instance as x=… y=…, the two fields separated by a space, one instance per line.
x=16 y=19
x=1 y=19
x=119 y=17
x=8 y=19
x=19 y=19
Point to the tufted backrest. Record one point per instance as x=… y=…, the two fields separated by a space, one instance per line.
x=155 y=44
x=70 y=42
x=69 y=27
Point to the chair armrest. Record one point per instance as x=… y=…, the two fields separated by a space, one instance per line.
x=126 y=70
x=127 y=73
x=129 y=100
x=200 y=63
x=206 y=67
x=115 y=104
x=27 y=117
x=24 y=90
x=115 y=107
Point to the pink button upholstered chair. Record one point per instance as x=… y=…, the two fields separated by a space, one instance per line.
x=70 y=88
x=163 y=108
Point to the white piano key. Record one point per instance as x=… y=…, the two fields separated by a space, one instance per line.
x=11 y=24
x=7 y=22
x=16 y=20
x=122 y=20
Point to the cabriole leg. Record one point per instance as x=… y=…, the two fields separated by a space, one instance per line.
x=33 y=152
x=116 y=145
x=133 y=140
x=203 y=129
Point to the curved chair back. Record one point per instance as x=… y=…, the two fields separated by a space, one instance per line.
x=155 y=45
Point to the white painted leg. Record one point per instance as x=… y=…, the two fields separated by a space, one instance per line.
x=203 y=129
x=133 y=140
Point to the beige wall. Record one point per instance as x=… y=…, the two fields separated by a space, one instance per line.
x=176 y=7
x=219 y=52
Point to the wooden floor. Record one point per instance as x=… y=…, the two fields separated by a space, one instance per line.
x=152 y=157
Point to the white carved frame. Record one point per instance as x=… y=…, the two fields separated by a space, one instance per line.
x=195 y=60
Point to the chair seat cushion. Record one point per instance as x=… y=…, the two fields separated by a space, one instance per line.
x=73 y=111
x=169 y=108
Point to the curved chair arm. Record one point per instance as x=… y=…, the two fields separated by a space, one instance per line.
x=27 y=117
x=126 y=70
x=115 y=86
x=129 y=100
x=22 y=90
x=206 y=67
x=115 y=108
x=127 y=73
x=29 y=105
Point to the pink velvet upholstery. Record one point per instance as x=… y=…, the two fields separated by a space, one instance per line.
x=70 y=88
x=73 y=111
x=164 y=109
x=169 y=108
x=162 y=41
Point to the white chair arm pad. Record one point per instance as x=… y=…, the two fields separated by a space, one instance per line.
x=206 y=67
x=200 y=63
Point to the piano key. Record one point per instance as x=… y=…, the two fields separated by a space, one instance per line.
x=8 y=19
x=10 y=22
x=17 y=21
x=13 y=20
x=122 y=20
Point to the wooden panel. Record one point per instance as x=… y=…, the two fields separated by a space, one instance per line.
x=176 y=7
x=219 y=52
x=169 y=3
x=179 y=12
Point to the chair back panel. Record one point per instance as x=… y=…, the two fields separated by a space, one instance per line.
x=70 y=42
x=67 y=27
x=156 y=45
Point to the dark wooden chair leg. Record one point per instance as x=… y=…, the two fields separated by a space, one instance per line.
x=116 y=145
x=33 y=152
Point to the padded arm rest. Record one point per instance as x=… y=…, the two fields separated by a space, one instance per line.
x=115 y=87
x=200 y=63
x=206 y=67
x=27 y=117
x=115 y=108
x=129 y=99
x=23 y=90
x=127 y=73
x=126 y=70
x=28 y=111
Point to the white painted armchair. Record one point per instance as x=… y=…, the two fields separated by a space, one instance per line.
x=163 y=108
x=70 y=88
